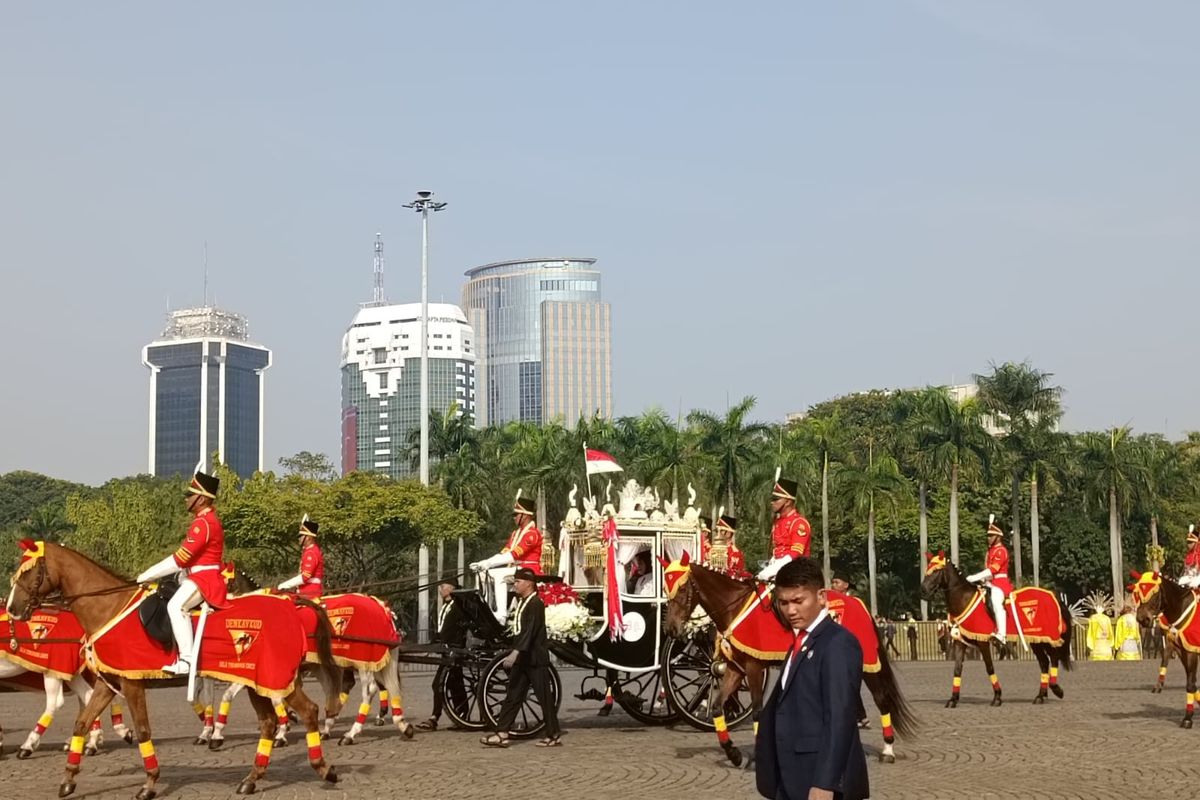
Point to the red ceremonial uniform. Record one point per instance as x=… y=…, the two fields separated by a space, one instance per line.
x=737 y=562
x=1191 y=561
x=997 y=562
x=525 y=544
x=791 y=536
x=312 y=570
x=705 y=546
x=202 y=554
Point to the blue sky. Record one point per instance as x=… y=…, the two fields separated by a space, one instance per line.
x=790 y=200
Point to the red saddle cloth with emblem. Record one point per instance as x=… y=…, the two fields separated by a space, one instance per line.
x=760 y=634
x=1041 y=619
x=258 y=640
x=60 y=656
x=363 y=631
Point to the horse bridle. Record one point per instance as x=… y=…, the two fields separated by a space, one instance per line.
x=35 y=598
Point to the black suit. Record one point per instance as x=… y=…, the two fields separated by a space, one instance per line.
x=532 y=669
x=451 y=630
x=807 y=732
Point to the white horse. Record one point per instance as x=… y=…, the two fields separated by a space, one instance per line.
x=54 y=688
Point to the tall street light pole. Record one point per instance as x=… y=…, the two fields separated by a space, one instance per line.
x=423 y=205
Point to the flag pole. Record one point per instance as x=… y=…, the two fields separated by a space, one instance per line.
x=587 y=475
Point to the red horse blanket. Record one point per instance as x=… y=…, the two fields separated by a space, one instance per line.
x=60 y=656
x=1040 y=617
x=257 y=641
x=756 y=630
x=363 y=631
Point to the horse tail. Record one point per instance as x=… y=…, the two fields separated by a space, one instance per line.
x=890 y=700
x=1064 y=649
x=324 y=641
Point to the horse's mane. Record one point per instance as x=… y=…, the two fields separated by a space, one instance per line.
x=89 y=560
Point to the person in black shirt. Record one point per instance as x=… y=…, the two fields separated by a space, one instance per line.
x=451 y=630
x=528 y=664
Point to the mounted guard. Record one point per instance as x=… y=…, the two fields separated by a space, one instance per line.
x=994 y=577
x=524 y=549
x=312 y=563
x=791 y=535
x=201 y=557
x=1191 y=561
x=724 y=554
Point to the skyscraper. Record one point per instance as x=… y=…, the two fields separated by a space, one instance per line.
x=206 y=393
x=381 y=381
x=543 y=340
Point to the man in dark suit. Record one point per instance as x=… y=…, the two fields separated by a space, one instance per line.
x=528 y=664
x=807 y=746
x=452 y=631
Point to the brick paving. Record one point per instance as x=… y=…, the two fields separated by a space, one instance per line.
x=1109 y=738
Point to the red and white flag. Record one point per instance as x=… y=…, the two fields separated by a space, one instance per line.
x=599 y=461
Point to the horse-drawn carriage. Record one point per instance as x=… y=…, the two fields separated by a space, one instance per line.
x=611 y=562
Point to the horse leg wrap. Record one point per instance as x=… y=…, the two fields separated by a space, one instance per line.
x=722 y=730
x=885 y=721
x=397 y=709
x=1054 y=675
x=343 y=697
x=363 y=710
x=149 y=758
x=995 y=682
x=313 y=740
x=383 y=702
x=43 y=722
x=1045 y=682
x=223 y=714
x=281 y=716
x=263 y=756
x=75 y=752
x=957 y=686
x=1191 y=702
x=198 y=707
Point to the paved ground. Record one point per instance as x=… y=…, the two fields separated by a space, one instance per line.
x=1109 y=738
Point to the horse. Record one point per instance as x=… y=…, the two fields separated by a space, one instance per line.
x=1162 y=601
x=54 y=687
x=727 y=601
x=1045 y=619
x=372 y=677
x=103 y=601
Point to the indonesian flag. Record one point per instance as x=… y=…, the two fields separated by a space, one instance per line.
x=599 y=461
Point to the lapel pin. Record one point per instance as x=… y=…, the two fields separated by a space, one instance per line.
x=809 y=654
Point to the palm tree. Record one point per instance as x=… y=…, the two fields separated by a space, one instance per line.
x=1114 y=471
x=953 y=438
x=859 y=485
x=912 y=411
x=1045 y=458
x=668 y=452
x=731 y=442
x=1165 y=476
x=822 y=436
x=48 y=522
x=1019 y=398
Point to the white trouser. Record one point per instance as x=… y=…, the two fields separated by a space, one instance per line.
x=183 y=601
x=996 y=598
x=1190 y=579
x=500 y=589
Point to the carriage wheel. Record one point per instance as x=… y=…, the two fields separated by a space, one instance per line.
x=494 y=686
x=688 y=677
x=643 y=697
x=469 y=716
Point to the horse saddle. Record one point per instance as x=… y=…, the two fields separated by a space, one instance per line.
x=154 y=615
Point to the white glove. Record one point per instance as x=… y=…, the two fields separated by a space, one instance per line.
x=291 y=583
x=160 y=570
x=982 y=575
x=498 y=560
x=774 y=565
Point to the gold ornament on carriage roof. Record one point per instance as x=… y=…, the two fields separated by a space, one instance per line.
x=718 y=557
x=549 y=558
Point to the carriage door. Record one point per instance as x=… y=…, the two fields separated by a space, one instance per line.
x=641 y=608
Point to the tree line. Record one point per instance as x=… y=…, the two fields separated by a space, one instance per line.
x=884 y=477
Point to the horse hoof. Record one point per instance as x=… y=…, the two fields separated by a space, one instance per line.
x=380 y=722
x=146 y=794
x=1058 y=692
x=331 y=776
x=887 y=758
x=1039 y=700
x=324 y=736
x=66 y=790
x=408 y=731
x=345 y=740
x=951 y=704
x=996 y=702
x=128 y=737
x=246 y=787
x=24 y=753
x=90 y=751
x=604 y=711
x=735 y=756
x=200 y=740
x=281 y=743
x=215 y=744
x=1187 y=723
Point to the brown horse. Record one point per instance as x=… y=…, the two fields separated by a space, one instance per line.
x=97 y=597
x=963 y=599
x=722 y=598
x=1162 y=601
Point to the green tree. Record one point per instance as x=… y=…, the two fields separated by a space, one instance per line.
x=732 y=443
x=822 y=435
x=1114 y=472
x=128 y=524
x=860 y=484
x=314 y=466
